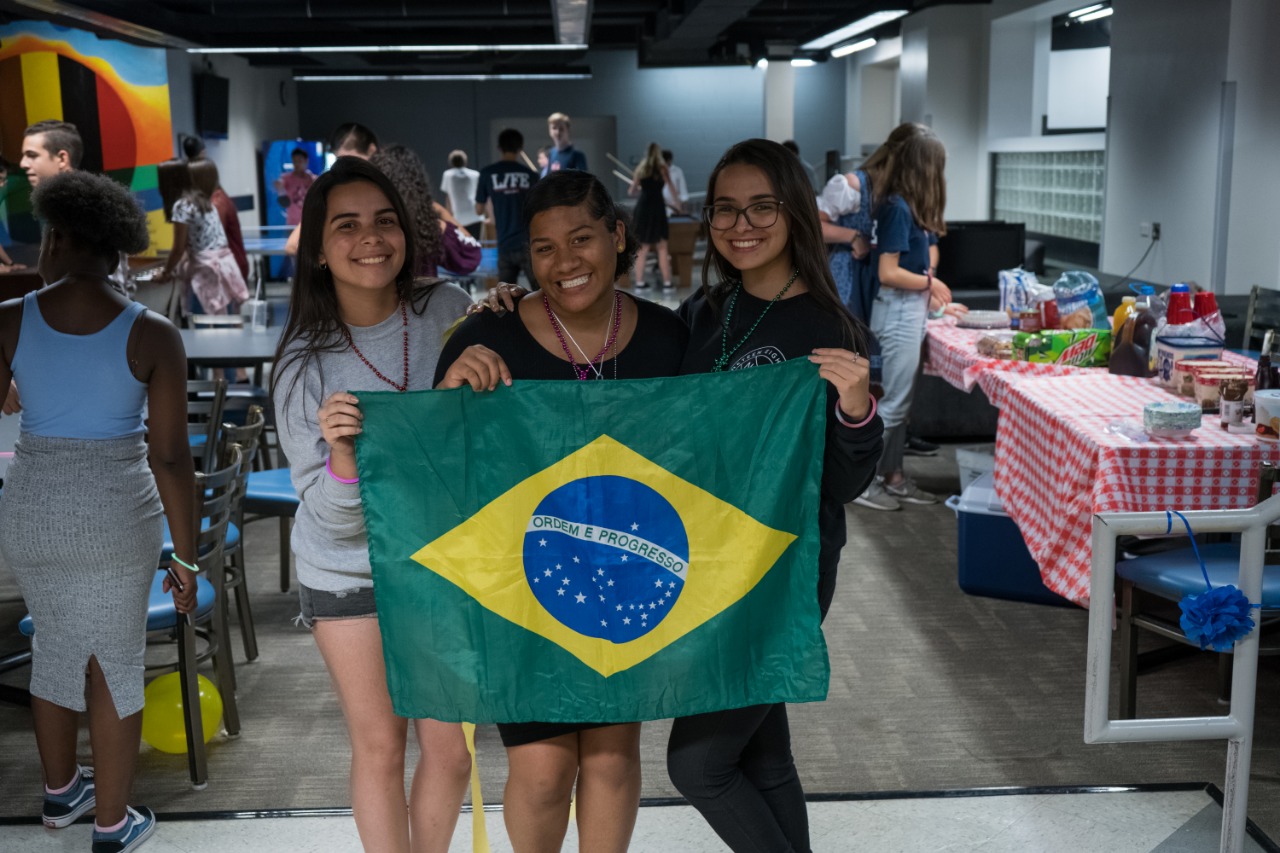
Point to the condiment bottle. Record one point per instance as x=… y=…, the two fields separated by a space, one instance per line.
x=1180 y=310
x=1266 y=376
x=1231 y=403
x=1128 y=359
x=1122 y=313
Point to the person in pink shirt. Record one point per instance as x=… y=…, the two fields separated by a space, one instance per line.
x=292 y=187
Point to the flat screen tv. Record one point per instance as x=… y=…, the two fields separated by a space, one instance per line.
x=972 y=254
x=212 y=105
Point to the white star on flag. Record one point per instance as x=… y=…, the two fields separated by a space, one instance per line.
x=658 y=584
x=635 y=526
x=580 y=598
x=542 y=543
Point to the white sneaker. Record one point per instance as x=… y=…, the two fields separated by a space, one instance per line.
x=908 y=492
x=875 y=497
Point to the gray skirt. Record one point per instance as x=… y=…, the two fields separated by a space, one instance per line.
x=81 y=528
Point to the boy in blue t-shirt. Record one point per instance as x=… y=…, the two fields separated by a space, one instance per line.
x=501 y=191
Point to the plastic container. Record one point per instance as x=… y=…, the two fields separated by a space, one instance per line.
x=993 y=559
x=975 y=461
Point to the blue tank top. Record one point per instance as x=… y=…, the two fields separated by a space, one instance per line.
x=77 y=386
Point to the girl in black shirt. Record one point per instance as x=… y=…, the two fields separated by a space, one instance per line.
x=775 y=300
x=577 y=325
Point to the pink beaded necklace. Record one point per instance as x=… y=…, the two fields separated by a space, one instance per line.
x=593 y=365
x=404 y=320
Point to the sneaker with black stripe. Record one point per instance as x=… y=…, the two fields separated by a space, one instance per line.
x=919 y=447
x=139 y=824
x=62 y=809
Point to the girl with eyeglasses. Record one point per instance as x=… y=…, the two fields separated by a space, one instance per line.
x=772 y=299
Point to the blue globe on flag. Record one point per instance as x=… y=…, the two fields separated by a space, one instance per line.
x=606 y=556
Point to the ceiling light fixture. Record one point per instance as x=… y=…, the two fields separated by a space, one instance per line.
x=802 y=63
x=393 y=48
x=1093 y=16
x=1086 y=10
x=862 y=25
x=379 y=78
x=762 y=64
x=846 y=49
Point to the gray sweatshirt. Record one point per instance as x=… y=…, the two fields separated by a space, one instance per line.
x=329 y=541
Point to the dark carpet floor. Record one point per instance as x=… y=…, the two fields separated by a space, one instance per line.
x=931 y=689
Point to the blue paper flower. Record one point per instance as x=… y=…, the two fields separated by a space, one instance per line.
x=1216 y=619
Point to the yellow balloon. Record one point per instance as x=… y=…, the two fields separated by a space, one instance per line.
x=163 y=725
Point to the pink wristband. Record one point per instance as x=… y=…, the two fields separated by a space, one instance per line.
x=355 y=480
x=840 y=416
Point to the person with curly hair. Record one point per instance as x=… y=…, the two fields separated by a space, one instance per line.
x=438 y=239
x=80 y=523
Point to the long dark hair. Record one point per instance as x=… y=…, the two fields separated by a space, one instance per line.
x=405 y=169
x=570 y=188
x=808 y=252
x=314 y=317
x=174 y=181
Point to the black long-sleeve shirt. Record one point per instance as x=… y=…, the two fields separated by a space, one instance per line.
x=793 y=328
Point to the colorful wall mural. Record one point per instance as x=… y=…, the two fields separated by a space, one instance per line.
x=116 y=94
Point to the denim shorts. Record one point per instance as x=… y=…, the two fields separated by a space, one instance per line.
x=318 y=604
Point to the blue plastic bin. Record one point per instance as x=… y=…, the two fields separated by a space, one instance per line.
x=993 y=559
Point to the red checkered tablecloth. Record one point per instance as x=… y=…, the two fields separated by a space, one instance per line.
x=1057 y=464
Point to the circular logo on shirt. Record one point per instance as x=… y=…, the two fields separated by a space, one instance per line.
x=758 y=357
x=606 y=556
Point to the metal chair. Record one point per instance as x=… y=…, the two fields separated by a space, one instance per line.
x=1263 y=314
x=247 y=437
x=215 y=492
x=205 y=401
x=1151 y=586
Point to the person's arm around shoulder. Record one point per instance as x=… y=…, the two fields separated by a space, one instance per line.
x=464 y=361
x=158 y=359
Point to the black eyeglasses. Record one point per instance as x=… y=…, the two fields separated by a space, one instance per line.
x=760 y=214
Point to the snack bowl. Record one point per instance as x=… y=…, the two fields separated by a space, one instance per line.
x=1171 y=419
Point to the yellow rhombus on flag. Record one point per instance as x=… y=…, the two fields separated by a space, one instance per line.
x=477 y=556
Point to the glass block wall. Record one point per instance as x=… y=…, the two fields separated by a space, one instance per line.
x=1053 y=192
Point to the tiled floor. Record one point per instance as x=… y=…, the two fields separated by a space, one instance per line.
x=1106 y=822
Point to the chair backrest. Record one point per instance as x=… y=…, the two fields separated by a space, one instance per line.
x=216 y=493
x=1263 y=314
x=205 y=401
x=245 y=440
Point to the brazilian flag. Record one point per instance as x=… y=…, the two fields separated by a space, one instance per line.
x=598 y=551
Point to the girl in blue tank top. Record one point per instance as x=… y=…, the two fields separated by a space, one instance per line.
x=80 y=514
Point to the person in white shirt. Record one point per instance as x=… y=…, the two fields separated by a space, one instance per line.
x=674 y=202
x=459 y=184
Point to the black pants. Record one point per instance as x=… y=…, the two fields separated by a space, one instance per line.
x=511 y=262
x=736 y=768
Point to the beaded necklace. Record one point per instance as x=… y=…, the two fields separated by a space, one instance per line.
x=725 y=352
x=401 y=386
x=593 y=365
